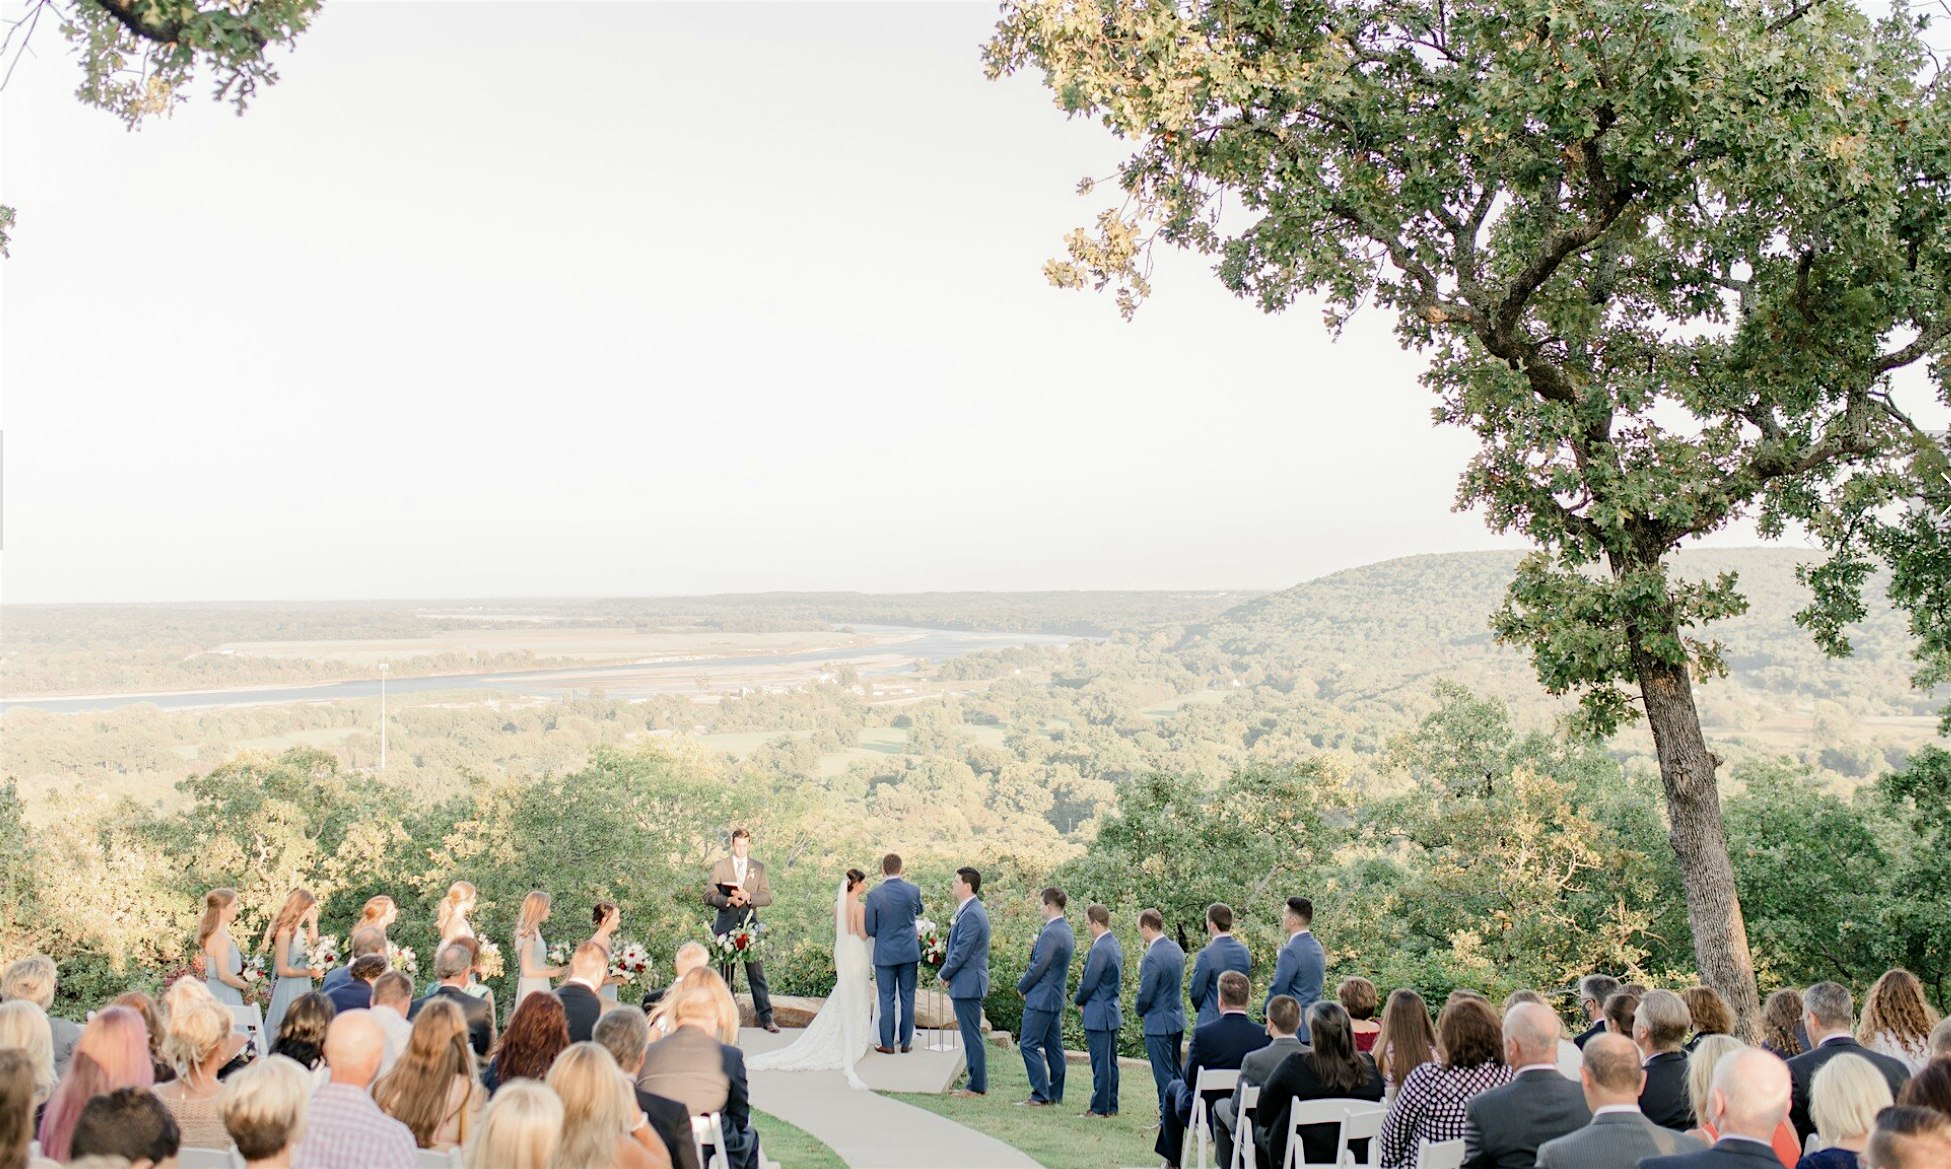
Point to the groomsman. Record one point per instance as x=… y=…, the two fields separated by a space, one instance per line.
x=1224 y=952
x=738 y=889
x=966 y=971
x=1097 y=993
x=1160 y=974
x=1302 y=963
x=1042 y=990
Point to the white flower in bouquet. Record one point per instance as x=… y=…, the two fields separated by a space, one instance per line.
x=253 y=971
x=324 y=954
x=489 y=964
x=558 y=955
x=631 y=963
x=741 y=941
x=402 y=959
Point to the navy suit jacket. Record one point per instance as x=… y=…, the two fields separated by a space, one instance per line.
x=966 y=969
x=351 y=995
x=891 y=911
x=1725 y=1154
x=1160 y=973
x=1215 y=958
x=1042 y=985
x=1803 y=1068
x=1298 y=972
x=1222 y=1044
x=1103 y=982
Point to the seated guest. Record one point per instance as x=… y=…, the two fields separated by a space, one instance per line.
x=112 y=1053
x=1930 y=1088
x=24 y=1030
x=454 y=968
x=1283 y=1020
x=1746 y=1104
x=1700 y=1085
x=369 y=942
x=1503 y=1127
x=536 y=1035
x=1567 y=1060
x=1897 y=1019
x=1845 y=1098
x=355 y=993
x=33 y=979
x=1619 y=1012
x=1660 y=1026
x=1781 y=1024
x=1432 y=1103
x=1619 y=1136
x=432 y=1089
x=1941 y=1039
x=1330 y=1069
x=582 y=992
x=264 y=1108
x=1829 y=1013
x=660 y=1015
x=1593 y=991
x=698 y=1066
x=17 y=1103
x=195 y=1042
x=344 y=1129
x=1359 y=998
x=301 y=1033
x=1407 y=1039
x=1709 y=1011
x=601 y=1126
x=392 y=999
x=1909 y=1138
x=1223 y=1045
x=129 y=1123
x=185 y=993
x=690 y=956
x=152 y=1025
x=522 y=1128
x=625 y=1034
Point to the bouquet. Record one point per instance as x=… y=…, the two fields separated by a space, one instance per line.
x=489 y=964
x=253 y=976
x=630 y=962
x=402 y=959
x=324 y=954
x=934 y=941
x=558 y=955
x=742 y=942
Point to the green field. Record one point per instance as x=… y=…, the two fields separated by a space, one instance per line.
x=1056 y=1138
x=791 y=1147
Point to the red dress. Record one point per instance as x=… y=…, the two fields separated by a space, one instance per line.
x=1365 y=1040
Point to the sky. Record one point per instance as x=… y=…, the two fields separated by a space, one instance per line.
x=567 y=299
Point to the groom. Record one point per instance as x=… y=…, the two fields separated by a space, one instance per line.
x=891 y=913
x=966 y=971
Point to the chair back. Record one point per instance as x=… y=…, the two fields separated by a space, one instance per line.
x=1244 y=1156
x=1812 y=1144
x=1210 y=1080
x=1440 y=1155
x=191 y=1158
x=708 y=1137
x=1304 y=1114
x=249 y=1018
x=1363 y=1123
x=440 y=1158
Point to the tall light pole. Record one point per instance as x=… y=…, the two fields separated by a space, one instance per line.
x=383 y=667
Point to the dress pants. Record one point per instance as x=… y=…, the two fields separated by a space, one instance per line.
x=755 y=978
x=1163 y=1051
x=968 y=1017
x=888 y=982
x=1103 y=1047
x=1043 y=1055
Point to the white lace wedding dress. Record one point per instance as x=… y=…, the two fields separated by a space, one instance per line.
x=839 y=1035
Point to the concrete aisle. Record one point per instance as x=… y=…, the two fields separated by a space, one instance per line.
x=870 y=1131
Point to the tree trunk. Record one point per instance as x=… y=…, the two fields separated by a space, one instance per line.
x=1699 y=841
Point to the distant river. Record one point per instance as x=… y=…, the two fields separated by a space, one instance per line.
x=932 y=644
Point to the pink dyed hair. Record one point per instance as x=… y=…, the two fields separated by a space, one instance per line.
x=113 y=1053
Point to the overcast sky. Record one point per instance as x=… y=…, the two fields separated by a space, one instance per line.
x=561 y=299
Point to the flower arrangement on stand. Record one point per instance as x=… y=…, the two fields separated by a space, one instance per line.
x=742 y=943
x=323 y=954
x=934 y=941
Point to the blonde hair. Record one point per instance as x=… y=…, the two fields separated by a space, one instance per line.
x=24 y=1028
x=193 y=1033
x=264 y=1107
x=533 y=907
x=458 y=894
x=184 y=994
x=214 y=903
x=1896 y=1007
x=707 y=1000
x=289 y=915
x=521 y=1130
x=598 y=1106
x=1700 y=1069
x=415 y=1092
x=32 y=978
x=1845 y=1097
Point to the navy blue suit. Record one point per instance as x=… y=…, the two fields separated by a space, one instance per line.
x=1042 y=988
x=966 y=970
x=1216 y=957
x=351 y=995
x=1221 y=1044
x=1098 y=991
x=1298 y=972
x=1161 y=972
x=891 y=912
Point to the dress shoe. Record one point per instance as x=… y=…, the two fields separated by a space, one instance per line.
x=1033 y=1102
x=906 y=1048
x=966 y=1094
x=772 y=1027
x=884 y=1050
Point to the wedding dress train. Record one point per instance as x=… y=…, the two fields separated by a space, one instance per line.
x=839 y=1035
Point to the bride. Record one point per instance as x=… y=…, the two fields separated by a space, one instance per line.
x=838 y=1035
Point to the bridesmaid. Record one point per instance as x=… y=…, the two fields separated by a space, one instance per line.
x=531 y=952
x=451 y=917
x=379 y=914
x=289 y=950
x=223 y=962
x=608 y=919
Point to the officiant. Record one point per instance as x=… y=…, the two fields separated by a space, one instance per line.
x=738 y=889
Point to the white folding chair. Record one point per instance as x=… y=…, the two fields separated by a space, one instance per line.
x=440 y=1158
x=1244 y=1156
x=1812 y=1144
x=249 y=1019
x=1306 y=1113
x=1363 y=1123
x=1210 y=1080
x=708 y=1135
x=1440 y=1155
x=189 y=1158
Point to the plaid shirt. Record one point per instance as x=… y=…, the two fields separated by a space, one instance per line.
x=1431 y=1105
x=344 y=1129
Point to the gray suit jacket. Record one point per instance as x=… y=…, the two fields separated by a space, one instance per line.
x=1505 y=1126
x=65 y=1035
x=1616 y=1140
x=1254 y=1069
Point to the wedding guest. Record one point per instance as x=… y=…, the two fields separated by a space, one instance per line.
x=17 y=1102
x=223 y=962
x=580 y=993
x=1846 y=1096
x=301 y=1037
x=1747 y=1102
x=1619 y=1011
x=1909 y=1138
x=1330 y=1069
x=1567 y=1059
x=1301 y=964
x=129 y=1123
x=1593 y=991
x=1431 y=1103
x=531 y=952
x=363 y=942
x=1828 y=1012
x=432 y=1088
x=1504 y=1127
x=1222 y=952
x=625 y=1034
x=698 y=1066
x=152 y=1025
x=112 y=1053
x=1701 y=1063
x=522 y=1129
x=194 y=1043
x=1406 y=1039
x=24 y=1031
x=356 y=992
x=1660 y=1026
x=1221 y=1044
x=392 y=999
x=1781 y=1024
x=1619 y=1136
x=33 y=979
x=1897 y=1019
x=1160 y=1006
x=1098 y=991
x=1358 y=996
x=538 y=1032
x=661 y=1021
x=1941 y=1039
x=1930 y=1088
x=690 y=956
x=1042 y=988
x=451 y=917
x=1709 y=1012
x=453 y=969
x=185 y=993
x=607 y=919
x=344 y=1129
x=263 y=1109
x=601 y=1125
x=1283 y=1019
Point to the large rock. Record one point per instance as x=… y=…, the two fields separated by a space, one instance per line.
x=933 y=1010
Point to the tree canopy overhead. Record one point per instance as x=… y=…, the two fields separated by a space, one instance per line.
x=1664 y=255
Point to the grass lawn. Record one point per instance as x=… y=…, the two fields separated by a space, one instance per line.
x=1057 y=1137
x=793 y=1148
